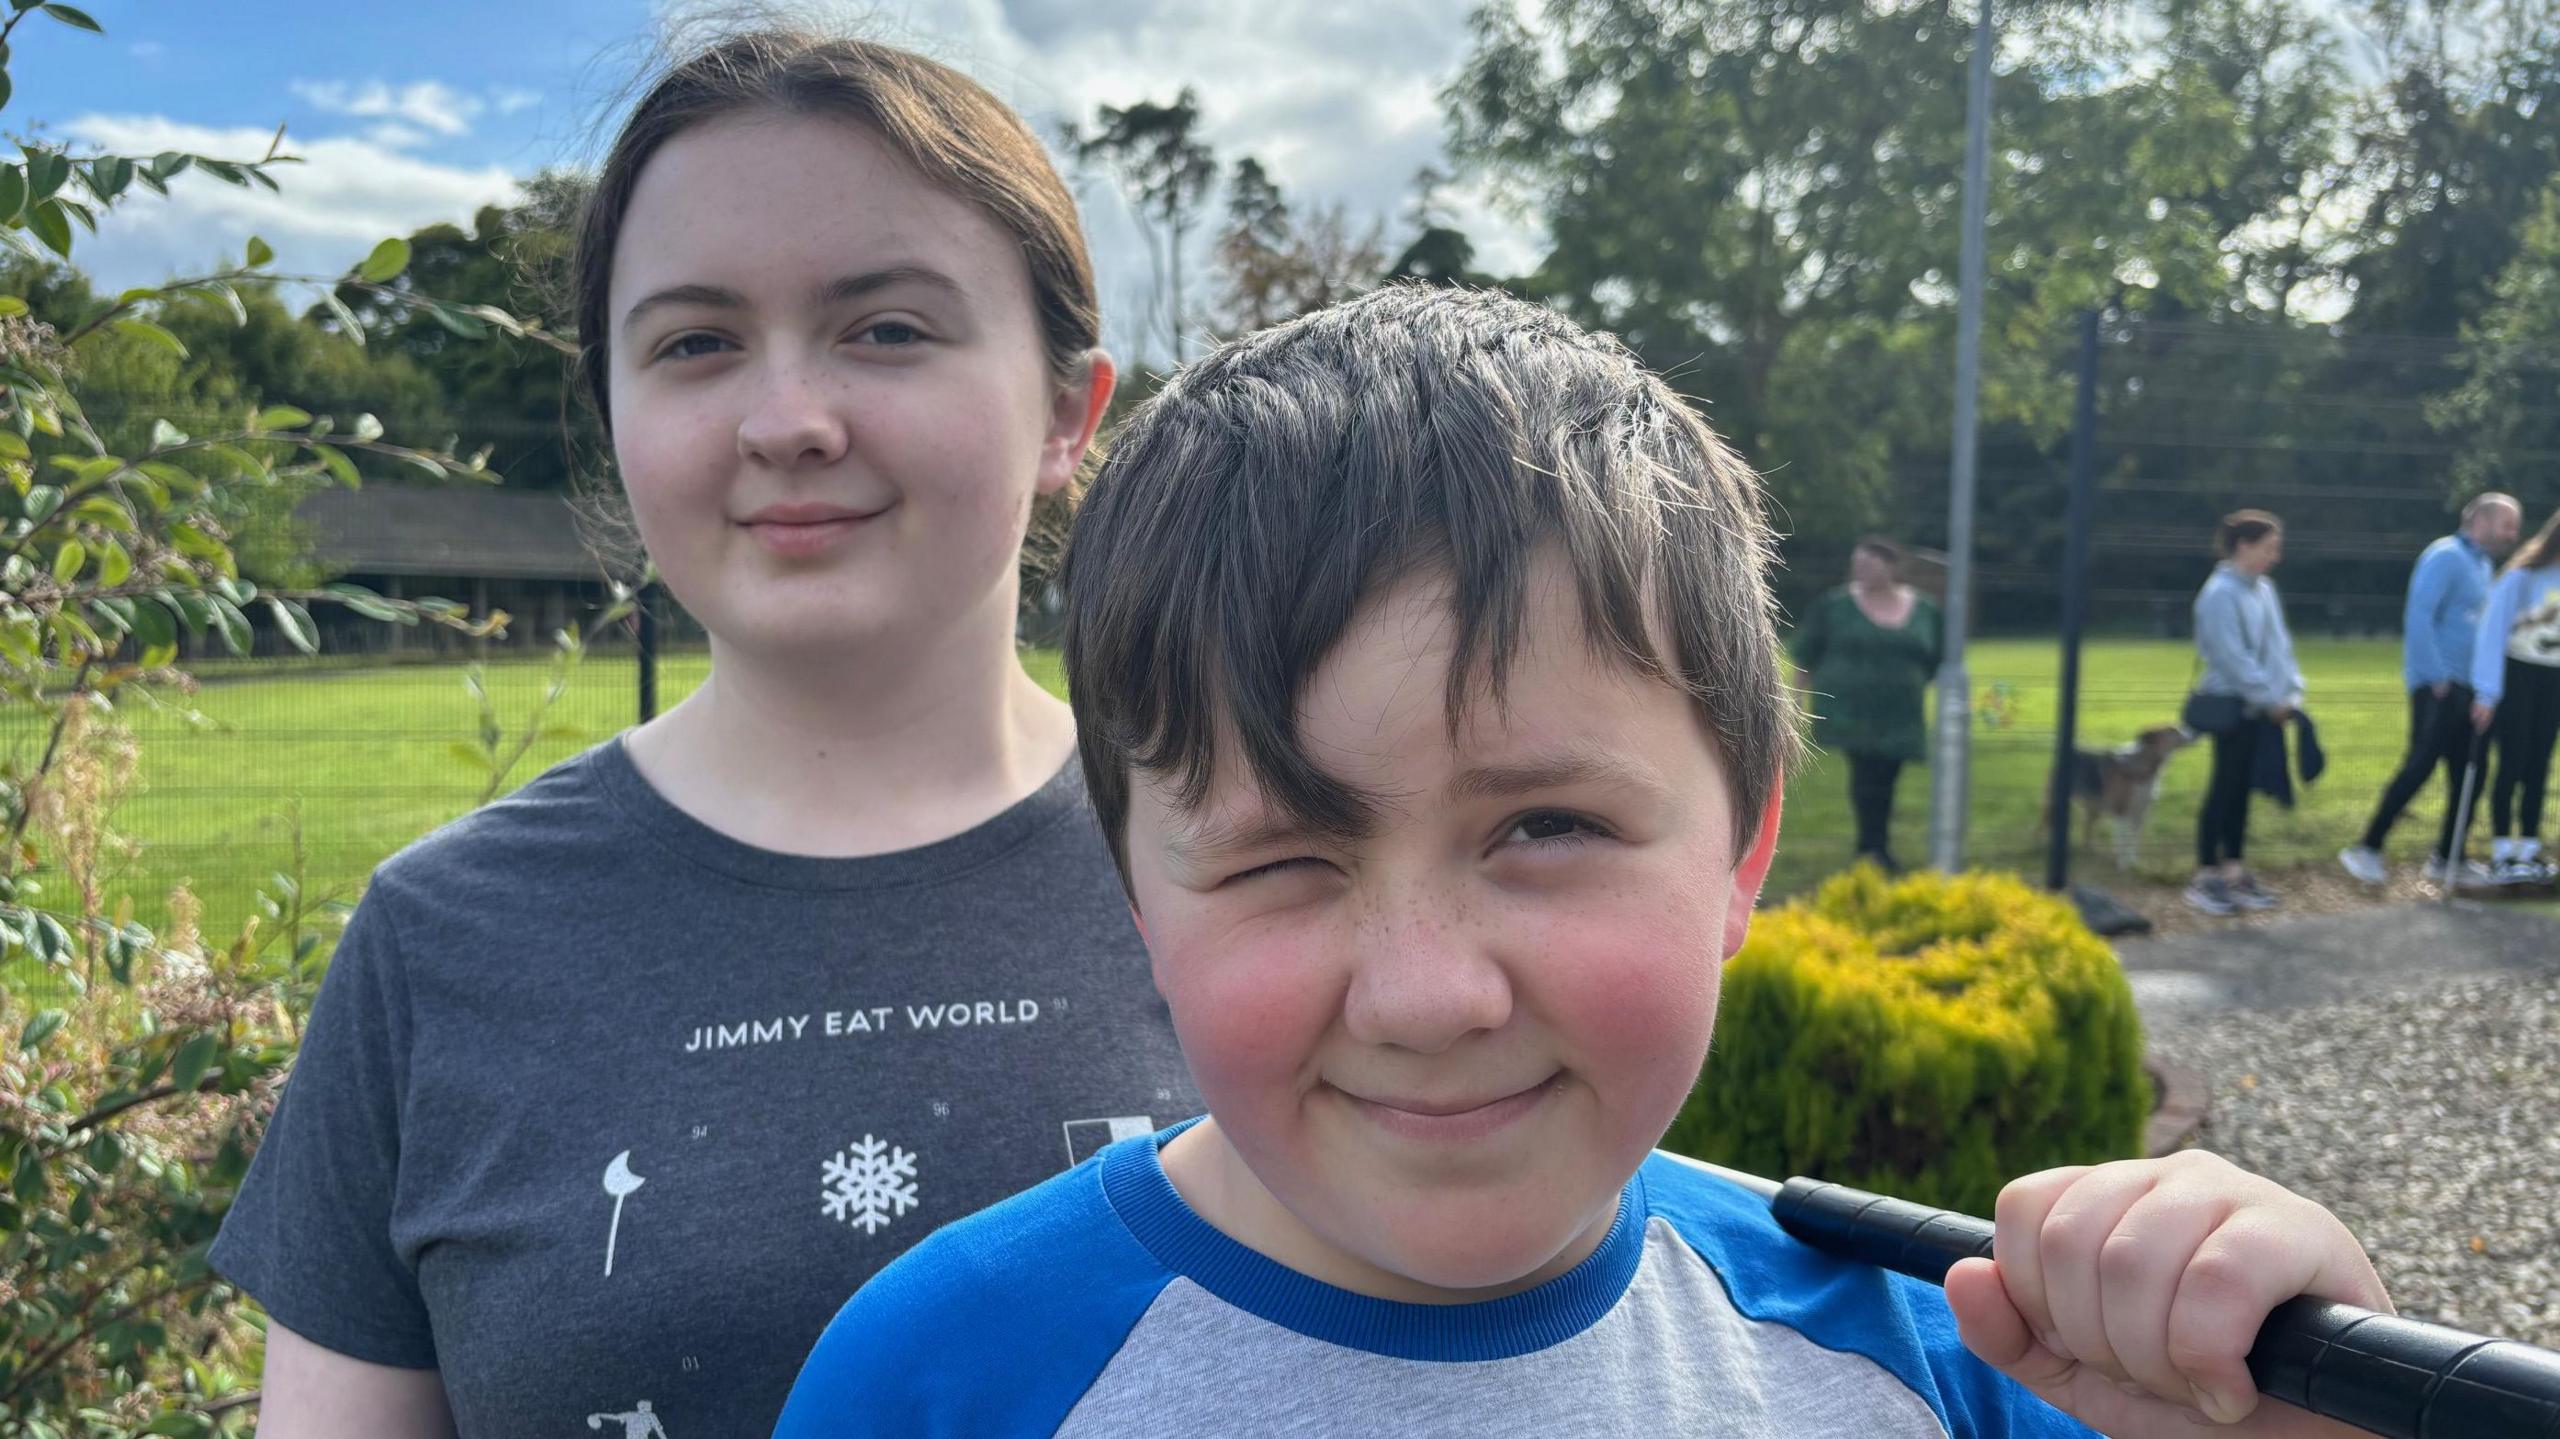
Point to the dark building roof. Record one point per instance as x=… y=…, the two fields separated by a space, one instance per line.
x=469 y=533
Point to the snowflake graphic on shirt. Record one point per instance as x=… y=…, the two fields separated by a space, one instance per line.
x=869 y=1184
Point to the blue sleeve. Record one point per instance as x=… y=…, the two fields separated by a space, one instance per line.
x=1900 y=1323
x=995 y=1326
x=2489 y=646
x=2429 y=583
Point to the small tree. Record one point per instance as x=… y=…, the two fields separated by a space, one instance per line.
x=1166 y=171
x=127 y=1116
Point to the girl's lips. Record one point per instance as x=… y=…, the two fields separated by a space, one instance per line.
x=800 y=531
x=1441 y=1124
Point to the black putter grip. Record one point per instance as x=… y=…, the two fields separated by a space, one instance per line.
x=2386 y=1375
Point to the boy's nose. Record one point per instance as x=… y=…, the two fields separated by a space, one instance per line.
x=1423 y=983
x=791 y=423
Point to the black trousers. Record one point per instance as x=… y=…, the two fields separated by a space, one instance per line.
x=2222 y=826
x=2528 y=725
x=2440 y=733
x=1871 y=782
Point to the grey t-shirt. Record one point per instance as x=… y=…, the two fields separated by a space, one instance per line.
x=602 y=1113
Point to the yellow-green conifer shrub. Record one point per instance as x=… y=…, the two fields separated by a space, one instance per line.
x=1931 y=1037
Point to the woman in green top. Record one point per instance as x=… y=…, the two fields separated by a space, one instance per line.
x=1866 y=651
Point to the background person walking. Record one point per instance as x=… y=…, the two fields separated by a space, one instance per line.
x=2438 y=630
x=1867 y=650
x=2515 y=670
x=2247 y=687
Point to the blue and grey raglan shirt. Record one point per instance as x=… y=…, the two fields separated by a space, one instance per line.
x=1100 y=1304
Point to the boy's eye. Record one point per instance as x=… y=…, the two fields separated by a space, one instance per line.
x=1277 y=866
x=692 y=346
x=1552 y=826
x=891 y=334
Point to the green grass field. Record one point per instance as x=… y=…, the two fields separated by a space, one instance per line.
x=364 y=757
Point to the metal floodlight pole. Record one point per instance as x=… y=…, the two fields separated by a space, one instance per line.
x=2075 y=606
x=1949 y=765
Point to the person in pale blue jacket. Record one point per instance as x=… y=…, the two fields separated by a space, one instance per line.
x=2515 y=682
x=2438 y=628
x=2248 y=683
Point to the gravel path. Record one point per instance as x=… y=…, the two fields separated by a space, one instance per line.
x=2402 y=1067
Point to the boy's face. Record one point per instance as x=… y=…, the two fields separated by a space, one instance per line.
x=1442 y=1048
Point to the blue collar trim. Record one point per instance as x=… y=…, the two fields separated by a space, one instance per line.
x=1134 y=1179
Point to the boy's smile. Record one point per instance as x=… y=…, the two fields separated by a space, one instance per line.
x=1436 y=1049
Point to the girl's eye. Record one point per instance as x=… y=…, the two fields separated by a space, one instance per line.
x=1553 y=827
x=892 y=334
x=691 y=346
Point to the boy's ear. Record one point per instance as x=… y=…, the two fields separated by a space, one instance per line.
x=1074 y=414
x=1753 y=871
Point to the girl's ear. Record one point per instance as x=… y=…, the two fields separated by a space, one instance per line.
x=1074 y=414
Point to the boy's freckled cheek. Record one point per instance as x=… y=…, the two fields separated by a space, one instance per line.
x=1636 y=987
x=1249 y=1012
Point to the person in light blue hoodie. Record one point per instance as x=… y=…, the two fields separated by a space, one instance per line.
x=2247 y=682
x=2441 y=623
x=2515 y=682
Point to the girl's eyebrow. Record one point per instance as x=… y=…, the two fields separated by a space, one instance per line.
x=834 y=292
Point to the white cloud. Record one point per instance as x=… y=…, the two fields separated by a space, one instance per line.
x=1339 y=99
x=511 y=100
x=392 y=135
x=146 y=50
x=429 y=104
x=348 y=193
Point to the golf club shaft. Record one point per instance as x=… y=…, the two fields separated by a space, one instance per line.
x=2383 y=1374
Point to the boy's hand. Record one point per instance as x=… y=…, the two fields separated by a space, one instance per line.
x=2127 y=1295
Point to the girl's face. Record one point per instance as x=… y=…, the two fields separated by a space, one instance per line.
x=2259 y=555
x=831 y=406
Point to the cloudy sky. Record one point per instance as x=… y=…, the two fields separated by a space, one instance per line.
x=409 y=114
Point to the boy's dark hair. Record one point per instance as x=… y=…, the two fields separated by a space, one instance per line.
x=1880 y=547
x=2243 y=527
x=1247 y=512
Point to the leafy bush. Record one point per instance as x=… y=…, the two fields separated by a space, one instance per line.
x=1931 y=1037
x=127 y=1116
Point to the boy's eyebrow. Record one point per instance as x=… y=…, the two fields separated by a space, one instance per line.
x=1202 y=846
x=1555 y=771
x=1205 y=844
x=834 y=292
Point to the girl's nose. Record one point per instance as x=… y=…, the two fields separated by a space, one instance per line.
x=792 y=423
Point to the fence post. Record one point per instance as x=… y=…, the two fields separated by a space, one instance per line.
x=646 y=614
x=2075 y=605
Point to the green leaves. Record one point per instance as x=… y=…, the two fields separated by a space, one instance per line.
x=76 y=19
x=194 y=1058
x=51 y=225
x=385 y=263
x=40 y=1028
x=294 y=623
x=259 y=252
x=145 y=330
x=282 y=417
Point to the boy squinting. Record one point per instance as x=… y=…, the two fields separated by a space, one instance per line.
x=1428 y=695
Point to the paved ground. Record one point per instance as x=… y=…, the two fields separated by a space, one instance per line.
x=2399 y=1064
x=2290 y=963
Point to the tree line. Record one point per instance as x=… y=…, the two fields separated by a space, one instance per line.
x=2326 y=238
